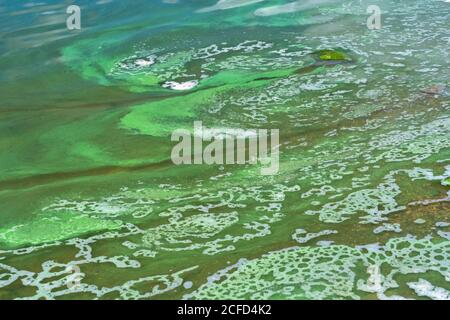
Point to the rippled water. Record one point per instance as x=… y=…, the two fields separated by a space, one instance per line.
x=359 y=209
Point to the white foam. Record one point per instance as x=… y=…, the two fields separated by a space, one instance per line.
x=426 y=289
x=228 y=4
x=144 y=62
x=292 y=7
x=180 y=86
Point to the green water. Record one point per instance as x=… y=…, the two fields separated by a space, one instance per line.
x=358 y=210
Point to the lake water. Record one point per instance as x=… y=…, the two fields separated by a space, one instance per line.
x=92 y=206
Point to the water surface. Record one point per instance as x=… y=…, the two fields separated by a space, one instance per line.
x=360 y=206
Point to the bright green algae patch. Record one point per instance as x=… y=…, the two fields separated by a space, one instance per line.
x=161 y=118
x=51 y=227
x=105 y=69
x=446 y=182
x=332 y=55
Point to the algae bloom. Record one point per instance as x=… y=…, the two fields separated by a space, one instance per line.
x=357 y=206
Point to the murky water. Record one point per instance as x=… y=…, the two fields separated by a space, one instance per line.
x=93 y=207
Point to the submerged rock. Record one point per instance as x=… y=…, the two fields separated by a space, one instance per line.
x=331 y=57
x=436 y=90
x=325 y=58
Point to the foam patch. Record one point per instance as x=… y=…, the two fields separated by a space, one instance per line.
x=326 y=272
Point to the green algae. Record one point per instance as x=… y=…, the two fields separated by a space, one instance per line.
x=240 y=77
x=103 y=68
x=332 y=55
x=446 y=182
x=341 y=161
x=161 y=118
x=72 y=56
x=50 y=227
x=363 y=111
x=90 y=151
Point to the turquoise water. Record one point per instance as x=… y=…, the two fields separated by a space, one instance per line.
x=94 y=208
